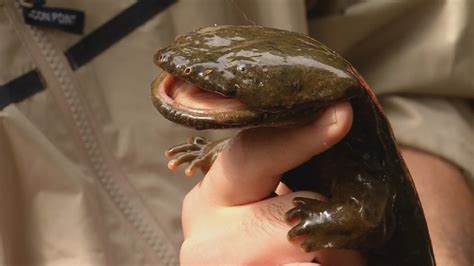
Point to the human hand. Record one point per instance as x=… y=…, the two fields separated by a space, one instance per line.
x=228 y=217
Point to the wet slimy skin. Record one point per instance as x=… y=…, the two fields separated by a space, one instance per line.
x=250 y=76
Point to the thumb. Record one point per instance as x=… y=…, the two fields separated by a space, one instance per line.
x=256 y=158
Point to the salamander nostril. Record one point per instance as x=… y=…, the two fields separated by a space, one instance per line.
x=162 y=58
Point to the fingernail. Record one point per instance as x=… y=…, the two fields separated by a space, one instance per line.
x=326 y=117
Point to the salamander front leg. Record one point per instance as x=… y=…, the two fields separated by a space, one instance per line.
x=196 y=151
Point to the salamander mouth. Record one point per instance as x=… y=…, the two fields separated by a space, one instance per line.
x=191 y=98
x=187 y=104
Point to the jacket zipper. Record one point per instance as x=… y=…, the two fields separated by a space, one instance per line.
x=101 y=163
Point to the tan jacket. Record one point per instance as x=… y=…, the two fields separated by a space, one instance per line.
x=83 y=180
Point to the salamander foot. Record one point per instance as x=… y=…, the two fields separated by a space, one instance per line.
x=327 y=225
x=197 y=151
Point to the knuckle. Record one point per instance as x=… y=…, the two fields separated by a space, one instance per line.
x=188 y=252
x=188 y=201
x=189 y=204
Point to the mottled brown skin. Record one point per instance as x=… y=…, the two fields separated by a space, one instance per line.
x=284 y=78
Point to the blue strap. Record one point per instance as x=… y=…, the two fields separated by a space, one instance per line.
x=21 y=88
x=114 y=30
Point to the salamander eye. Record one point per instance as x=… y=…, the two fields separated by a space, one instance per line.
x=187 y=70
x=242 y=68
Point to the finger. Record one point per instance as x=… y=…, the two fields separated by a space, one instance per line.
x=255 y=232
x=256 y=158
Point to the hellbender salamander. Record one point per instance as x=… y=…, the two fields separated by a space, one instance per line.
x=251 y=76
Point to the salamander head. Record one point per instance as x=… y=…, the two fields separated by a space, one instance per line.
x=238 y=76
